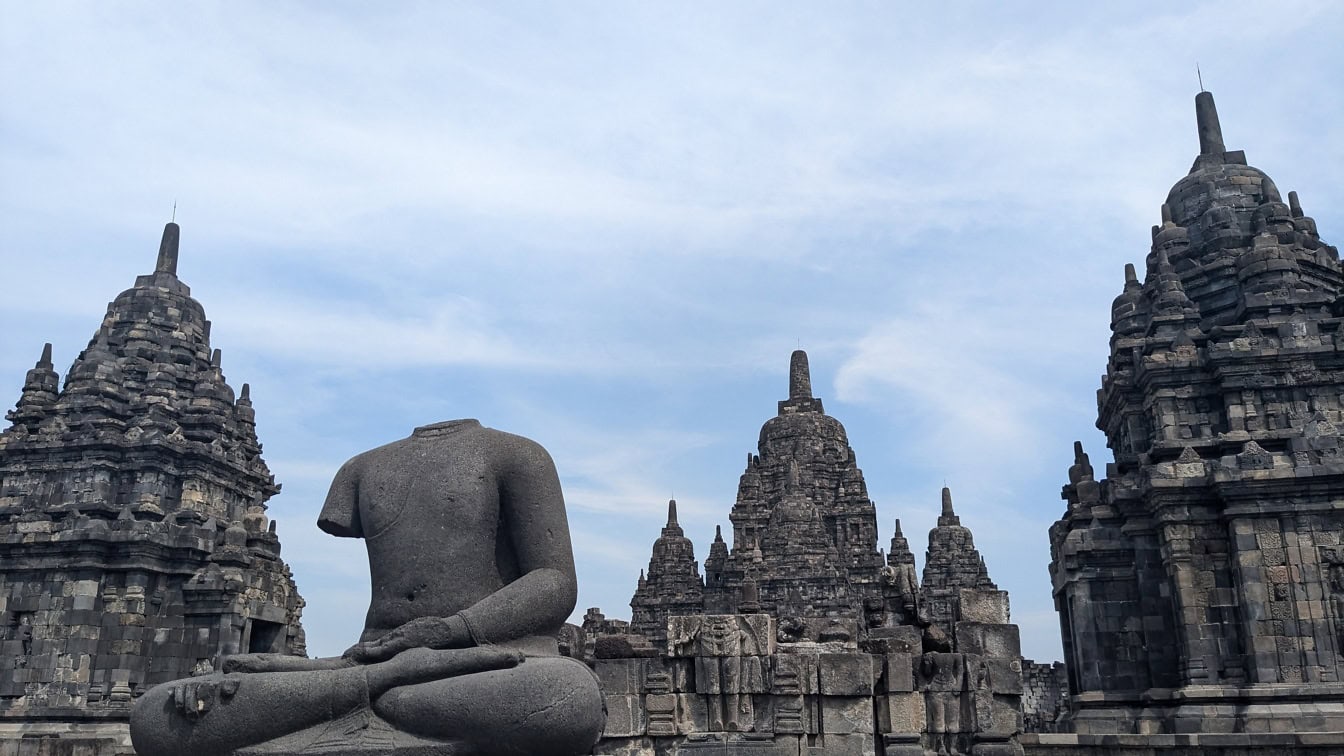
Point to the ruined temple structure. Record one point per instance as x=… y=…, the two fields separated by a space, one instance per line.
x=134 y=544
x=804 y=638
x=1200 y=582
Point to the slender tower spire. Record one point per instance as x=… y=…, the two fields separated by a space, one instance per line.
x=800 y=378
x=671 y=512
x=167 y=262
x=1210 y=131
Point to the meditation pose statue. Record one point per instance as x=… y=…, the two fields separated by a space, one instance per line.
x=473 y=576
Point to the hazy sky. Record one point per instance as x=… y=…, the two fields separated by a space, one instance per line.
x=606 y=226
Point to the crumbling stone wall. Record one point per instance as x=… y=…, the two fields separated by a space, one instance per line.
x=1045 y=695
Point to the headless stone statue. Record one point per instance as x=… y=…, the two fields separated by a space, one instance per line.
x=472 y=577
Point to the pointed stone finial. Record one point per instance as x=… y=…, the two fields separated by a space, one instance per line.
x=1210 y=131
x=671 y=512
x=1078 y=453
x=1164 y=262
x=1166 y=213
x=750 y=602
x=167 y=262
x=1294 y=205
x=898 y=533
x=217 y=358
x=800 y=378
x=718 y=534
x=947 y=502
x=1131 y=275
x=45 y=360
x=246 y=395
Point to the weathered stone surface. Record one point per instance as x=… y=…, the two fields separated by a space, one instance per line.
x=801 y=638
x=459 y=651
x=134 y=542
x=1199 y=577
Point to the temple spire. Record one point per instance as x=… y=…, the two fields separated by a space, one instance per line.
x=1210 y=131
x=671 y=512
x=947 y=502
x=167 y=262
x=800 y=378
x=45 y=360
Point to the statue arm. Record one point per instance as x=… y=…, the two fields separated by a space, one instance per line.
x=340 y=513
x=533 y=509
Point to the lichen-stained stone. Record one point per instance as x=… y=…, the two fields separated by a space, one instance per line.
x=846 y=674
x=990 y=607
x=906 y=712
x=624 y=746
x=989 y=640
x=625 y=716
x=900 y=673
x=844 y=744
x=844 y=715
x=620 y=676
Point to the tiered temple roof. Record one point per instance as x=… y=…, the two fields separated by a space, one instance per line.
x=1207 y=560
x=134 y=544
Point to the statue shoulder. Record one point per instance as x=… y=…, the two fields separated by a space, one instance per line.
x=512 y=449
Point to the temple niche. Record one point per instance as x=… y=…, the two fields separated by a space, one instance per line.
x=1198 y=581
x=803 y=637
x=134 y=542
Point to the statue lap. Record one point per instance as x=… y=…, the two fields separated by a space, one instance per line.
x=546 y=705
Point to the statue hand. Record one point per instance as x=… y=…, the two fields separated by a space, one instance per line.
x=424 y=632
x=195 y=696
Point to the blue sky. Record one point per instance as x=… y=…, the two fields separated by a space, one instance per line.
x=606 y=227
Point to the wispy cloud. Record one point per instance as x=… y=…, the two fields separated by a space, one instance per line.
x=606 y=230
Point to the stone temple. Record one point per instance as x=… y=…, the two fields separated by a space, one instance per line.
x=804 y=637
x=1200 y=582
x=134 y=544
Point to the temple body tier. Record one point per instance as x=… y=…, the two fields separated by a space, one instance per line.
x=472 y=578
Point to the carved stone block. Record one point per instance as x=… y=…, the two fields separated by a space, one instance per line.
x=795 y=673
x=625 y=716
x=620 y=676
x=989 y=607
x=906 y=712
x=900 y=673
x=842 y=715
x=845 y=674
x=988 y=640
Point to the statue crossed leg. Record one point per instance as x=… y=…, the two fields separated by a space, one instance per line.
x=472 y=577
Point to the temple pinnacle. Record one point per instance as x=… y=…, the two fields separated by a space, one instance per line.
x=671 y=512
x=1210 y=131
x=718 y=534
x=167 y=262
x=800 y=378
x=947 y=502
x=45 y=361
